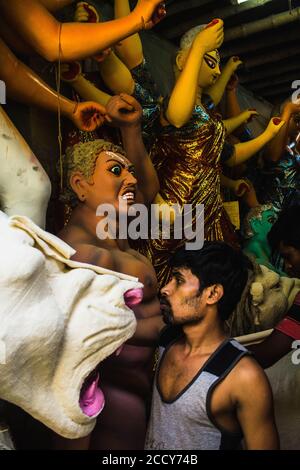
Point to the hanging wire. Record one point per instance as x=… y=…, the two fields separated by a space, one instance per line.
x=58 y=82
x=290 y=6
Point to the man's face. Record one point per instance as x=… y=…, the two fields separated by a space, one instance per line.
x=210 y=69
x=291 y=258
x=113 y=182
x=181 y=302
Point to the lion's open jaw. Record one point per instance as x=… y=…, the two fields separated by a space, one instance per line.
x=91 y=399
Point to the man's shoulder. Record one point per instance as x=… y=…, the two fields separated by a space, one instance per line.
x=246 y=366
x=248 y=378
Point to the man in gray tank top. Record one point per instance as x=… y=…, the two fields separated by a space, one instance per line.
x=209 y=393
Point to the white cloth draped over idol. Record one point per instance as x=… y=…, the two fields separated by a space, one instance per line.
x=59 y=320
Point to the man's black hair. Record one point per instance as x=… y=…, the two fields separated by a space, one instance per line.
x=217 y=263
x=286 y=229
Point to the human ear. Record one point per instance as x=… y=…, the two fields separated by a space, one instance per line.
x=214 y=294
x=79 y=185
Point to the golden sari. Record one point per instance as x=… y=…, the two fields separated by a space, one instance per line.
x=187 y=161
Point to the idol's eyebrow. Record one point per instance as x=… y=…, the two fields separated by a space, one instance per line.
x=212 y=58
x=124 y=165
x=117 y=161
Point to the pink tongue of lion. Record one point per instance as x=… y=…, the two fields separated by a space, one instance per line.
x=133 y=297
x=91 y=398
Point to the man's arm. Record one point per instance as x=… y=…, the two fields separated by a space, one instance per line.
x=124 y=111
x=254 y=401
x=73 y=41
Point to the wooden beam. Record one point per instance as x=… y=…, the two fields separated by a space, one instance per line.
x=271 y=81
x=272 y=70
x=223 y=13
x=267 y=40
x=272 y=57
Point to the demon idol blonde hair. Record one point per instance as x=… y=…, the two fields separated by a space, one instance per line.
x=83 y=157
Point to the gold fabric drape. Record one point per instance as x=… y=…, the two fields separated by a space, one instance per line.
x=187 y=161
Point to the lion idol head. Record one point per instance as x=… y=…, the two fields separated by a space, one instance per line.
x=59 y=320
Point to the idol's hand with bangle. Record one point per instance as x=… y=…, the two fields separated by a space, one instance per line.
x=149 y=12
x=233 y=63
x=274 y=127
x=87 y=116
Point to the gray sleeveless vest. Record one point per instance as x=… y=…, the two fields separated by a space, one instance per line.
x=186 y=423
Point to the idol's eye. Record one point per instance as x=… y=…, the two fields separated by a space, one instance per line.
x=116 y=170
x=211 y=63
x=132 y=170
